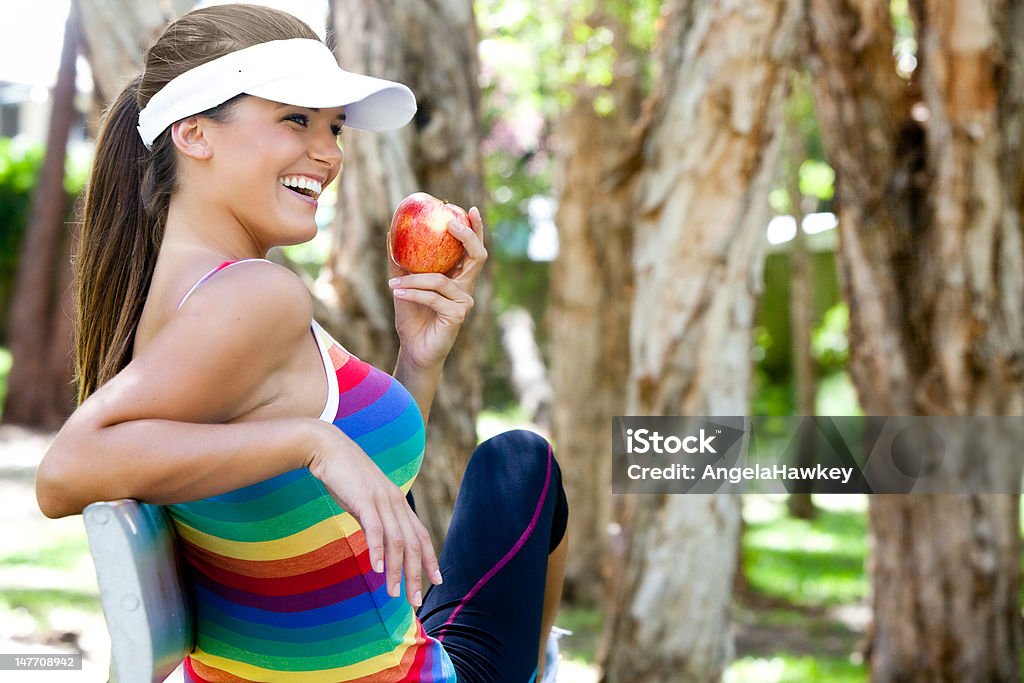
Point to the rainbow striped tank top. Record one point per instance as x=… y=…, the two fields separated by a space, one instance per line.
x=280 y=574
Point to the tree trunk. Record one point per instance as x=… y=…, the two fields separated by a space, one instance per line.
x=710 y=154
x=930 y=195
x=438 y=153
x=591 y=302
x=38 y=393
x=116 y=35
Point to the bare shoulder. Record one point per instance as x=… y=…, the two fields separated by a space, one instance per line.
x=256 y=308
x=260 y=289
x=216 y=355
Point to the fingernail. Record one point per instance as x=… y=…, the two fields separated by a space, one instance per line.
x=457 y=225
x=417 y=599
x=394 y=282
x=437 y=576
x=397 y=588
x=399 y=292
x=379 y=567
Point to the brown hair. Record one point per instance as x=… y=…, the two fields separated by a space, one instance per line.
x=130 y=187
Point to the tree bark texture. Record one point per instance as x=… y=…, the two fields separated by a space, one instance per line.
x=591 y=304
x=39 y=391
x=930 y=196
x=438 y=153
x=710 y=153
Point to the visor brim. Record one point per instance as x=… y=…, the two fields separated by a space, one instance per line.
x=370 y=103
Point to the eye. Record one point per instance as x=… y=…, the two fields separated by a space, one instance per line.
x=336 y=130
x=300 y=119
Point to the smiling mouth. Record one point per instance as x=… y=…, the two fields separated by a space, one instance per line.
x=301 y=185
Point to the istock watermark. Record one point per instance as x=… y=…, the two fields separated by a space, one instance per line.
x=847 y=454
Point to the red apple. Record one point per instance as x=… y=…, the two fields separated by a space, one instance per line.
x=419 y=240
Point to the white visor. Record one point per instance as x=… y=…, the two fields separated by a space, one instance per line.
x=299 y=71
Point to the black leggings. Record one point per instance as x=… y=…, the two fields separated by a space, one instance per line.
x=510 y=513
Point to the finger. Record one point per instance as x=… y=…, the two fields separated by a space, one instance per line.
x=394 y=548
x=452 y=311
x=429 y=558
x=435 y=282
x=373 y=530
x=470 y=238
x=476 y=221
x=413 y=553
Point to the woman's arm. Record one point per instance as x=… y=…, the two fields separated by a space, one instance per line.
x=159 y=431
x=164 y=461
x=429 y=311
x=421 y=382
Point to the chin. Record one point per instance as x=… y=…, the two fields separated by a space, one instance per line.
x=299 y=237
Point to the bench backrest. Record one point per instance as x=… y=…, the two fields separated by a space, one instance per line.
x=144 y=599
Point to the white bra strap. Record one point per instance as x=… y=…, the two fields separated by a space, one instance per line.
x=211 y=274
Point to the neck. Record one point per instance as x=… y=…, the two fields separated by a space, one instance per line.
x=193 y=224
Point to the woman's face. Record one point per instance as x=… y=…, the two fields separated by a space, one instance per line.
x=269 y=162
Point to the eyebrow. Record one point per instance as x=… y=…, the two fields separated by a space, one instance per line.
x=316 y=109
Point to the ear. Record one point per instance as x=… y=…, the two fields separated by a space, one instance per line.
x=189 y=136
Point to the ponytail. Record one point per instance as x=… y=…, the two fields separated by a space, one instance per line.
x=118 y=248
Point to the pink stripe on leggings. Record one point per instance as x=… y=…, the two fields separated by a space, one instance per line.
x=509 y=555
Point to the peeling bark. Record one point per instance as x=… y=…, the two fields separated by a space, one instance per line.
x=591 y=304
x=929 y=181
x=710 y=153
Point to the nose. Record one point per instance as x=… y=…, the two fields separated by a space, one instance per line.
x=326 y=149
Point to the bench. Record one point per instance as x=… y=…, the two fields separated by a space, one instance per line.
x=144 y=600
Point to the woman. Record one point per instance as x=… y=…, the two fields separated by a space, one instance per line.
x=284 y=461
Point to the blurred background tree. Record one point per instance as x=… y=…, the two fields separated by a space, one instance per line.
x=923 y=120
x=40 y=329
x=709 y=157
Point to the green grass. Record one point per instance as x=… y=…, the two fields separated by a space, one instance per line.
x=796 y=572
x=41 y=600
x=39 y=603
x=784 y=668
x=586 y=624
x=809 y=563
x=65 y=553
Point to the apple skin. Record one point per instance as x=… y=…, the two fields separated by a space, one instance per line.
x=419 y=240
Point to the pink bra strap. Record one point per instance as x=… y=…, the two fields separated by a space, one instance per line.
x=212 y=273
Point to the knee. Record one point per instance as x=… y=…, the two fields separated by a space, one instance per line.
x=515 y=466
x=518 y=441
x=525 y=453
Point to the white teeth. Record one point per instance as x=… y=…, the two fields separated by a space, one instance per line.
x=303 y=183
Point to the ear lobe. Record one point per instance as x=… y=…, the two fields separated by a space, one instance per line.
x=189 y=136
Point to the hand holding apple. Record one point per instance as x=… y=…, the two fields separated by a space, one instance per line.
x=419 y=240
x=431 y=305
